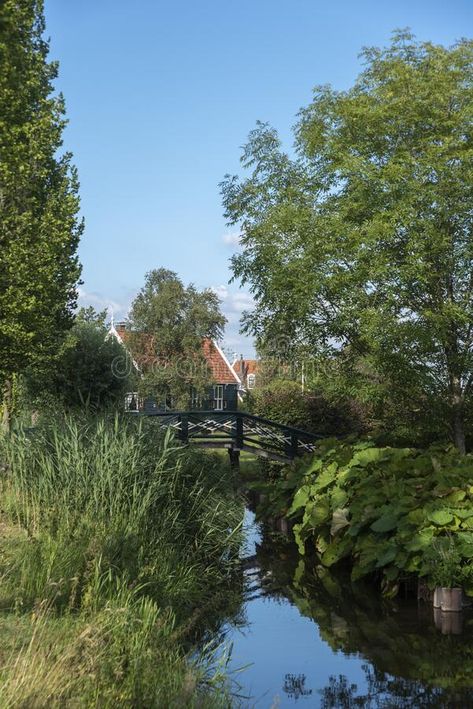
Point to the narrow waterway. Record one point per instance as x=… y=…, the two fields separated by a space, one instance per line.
x=309 y=639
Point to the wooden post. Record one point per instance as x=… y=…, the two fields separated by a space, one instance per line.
x=234 y=459
x=239 y=432
x=292 y=446
x=184 y=431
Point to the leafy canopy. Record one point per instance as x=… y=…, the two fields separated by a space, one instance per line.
x=168 y=323
x=39 y=228
x=363 y=237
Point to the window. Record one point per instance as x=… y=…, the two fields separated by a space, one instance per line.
x=218 y=397
x=131 y=401
x=251 y=381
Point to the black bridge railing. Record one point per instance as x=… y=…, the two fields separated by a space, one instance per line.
x=237 y=431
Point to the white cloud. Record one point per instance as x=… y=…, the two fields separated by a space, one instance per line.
x=233 y=301
x=233 y=305
x=231 y=239
x=101 y=302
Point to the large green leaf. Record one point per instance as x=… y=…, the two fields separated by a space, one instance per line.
x=339 y=521
x=320 y=513
x=440 y=517
x=299 y=538
x=336 y=550
x=387 y=554
x=338 y=497
x=455 y=497
x=385 y=523
x=300 y=499
x=326 y=478
x=420 y=540
x=368 y=455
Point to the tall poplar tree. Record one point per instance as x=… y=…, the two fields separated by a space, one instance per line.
x=39 y=225
x=363 y=241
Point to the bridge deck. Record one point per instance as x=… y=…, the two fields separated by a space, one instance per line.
x=238 y=431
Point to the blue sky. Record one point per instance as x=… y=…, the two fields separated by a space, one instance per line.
x=160 y=98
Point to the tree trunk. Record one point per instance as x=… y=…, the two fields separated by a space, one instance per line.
x=459 y=430
x=7 y=405
x=458 y=422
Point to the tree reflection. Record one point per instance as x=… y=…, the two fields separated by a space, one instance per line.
x=384 y=692
x=409 y=661
x=294 y=686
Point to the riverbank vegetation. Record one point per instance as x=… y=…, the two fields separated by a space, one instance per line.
x=117 y=545
x=388 y=513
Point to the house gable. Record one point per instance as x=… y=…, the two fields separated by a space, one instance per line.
x=246 y=370
x=220 y=368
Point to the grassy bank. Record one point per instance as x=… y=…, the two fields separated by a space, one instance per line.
x=388 y=513
x=118 y=547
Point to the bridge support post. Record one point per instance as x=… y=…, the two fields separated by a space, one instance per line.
x=292 y=446
x=184 y=431
x=234 y=458
x=239 y=432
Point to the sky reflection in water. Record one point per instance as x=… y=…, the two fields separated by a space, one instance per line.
x=308 y=647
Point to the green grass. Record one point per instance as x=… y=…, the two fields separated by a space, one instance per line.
x=115 y=543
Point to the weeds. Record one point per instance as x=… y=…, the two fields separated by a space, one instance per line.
x=127 y=536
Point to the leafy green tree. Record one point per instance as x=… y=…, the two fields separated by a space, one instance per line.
x=168 y=323
x=364 y=237
x=39 y=228
x=83 y=374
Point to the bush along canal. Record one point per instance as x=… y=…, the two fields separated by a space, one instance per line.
x=343 y=619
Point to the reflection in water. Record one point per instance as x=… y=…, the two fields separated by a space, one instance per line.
x=317 y=640
x=294 y=686
x=384 y=691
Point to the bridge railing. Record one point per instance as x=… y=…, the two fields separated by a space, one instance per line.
x=239 y=431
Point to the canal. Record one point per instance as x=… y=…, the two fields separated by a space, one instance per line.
x=308 y=638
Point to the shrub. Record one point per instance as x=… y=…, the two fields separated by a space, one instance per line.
x=381 y=509
x=283 y=401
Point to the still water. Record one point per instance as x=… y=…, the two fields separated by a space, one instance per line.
x=309 y=639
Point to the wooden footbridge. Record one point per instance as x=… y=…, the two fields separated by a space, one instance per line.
x=237 y=431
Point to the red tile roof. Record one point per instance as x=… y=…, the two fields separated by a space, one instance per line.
x=220 y=368
x=243 y=367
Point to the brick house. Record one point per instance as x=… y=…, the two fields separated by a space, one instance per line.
x=222 y=395
x=247 y=372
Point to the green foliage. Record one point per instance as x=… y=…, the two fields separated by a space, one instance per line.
x=282 y=401
x=39 y=227
x=363 y=240
x=129 y=536
x=84 y=371
x=444 y=560
x=168 y=323
x=382 y=509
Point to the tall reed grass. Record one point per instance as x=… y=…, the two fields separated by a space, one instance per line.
x=124 y=535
